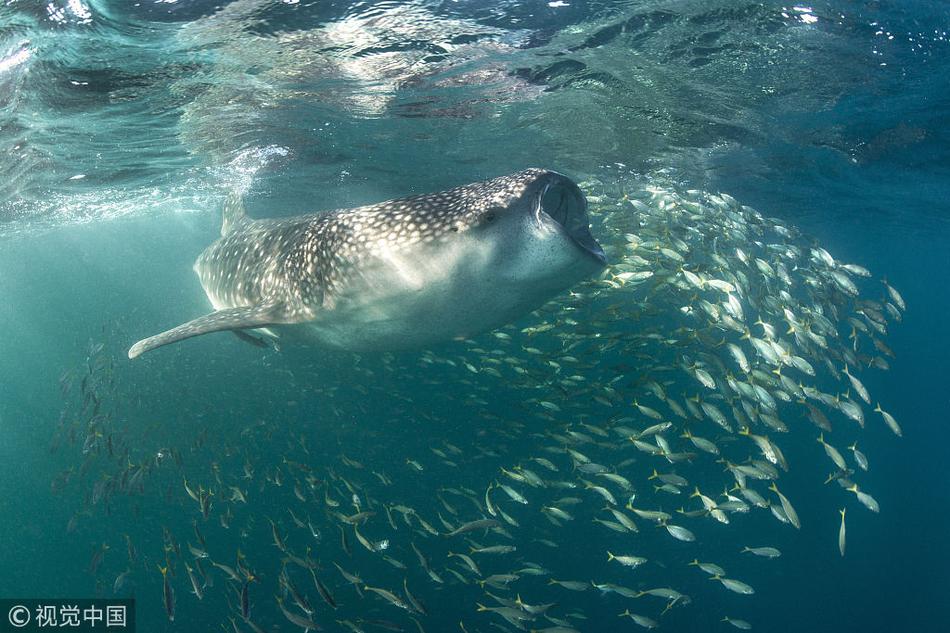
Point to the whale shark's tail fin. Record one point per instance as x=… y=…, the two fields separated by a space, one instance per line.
x=233 y=214
x=229 y=319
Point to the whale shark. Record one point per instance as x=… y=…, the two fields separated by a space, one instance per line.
x=405 y=273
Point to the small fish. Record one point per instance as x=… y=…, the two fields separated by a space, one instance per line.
x=662 y=592
x=889 y=420
x=388 y=596
x=859 y=458
x=120 y=581
x=168 y=594
x=573 y=585
x=641 y=620
x=734 y=585
x=195 y=586
x=278 y=539
x=739 y=624
x=841 y=533
x=245 y=600
x=832 y=453
x=764 y=552
x=480 y=524
x=627 y=561
x=858 y=386
x=96 y=559
x=710 y=568
x=324 y=592
x=417 y=606
x=197 y=552
x=468 y=562
x=305 y=623
x=557 y=513
x=787 y=507
x=513 y=494
x=679 y=533
x=300 y=600
x=866 y=500
x=350 y=578
x=493 y=549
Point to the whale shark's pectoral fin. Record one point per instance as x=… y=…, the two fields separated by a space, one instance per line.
x=228 y=319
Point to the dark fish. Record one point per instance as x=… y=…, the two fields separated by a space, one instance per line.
x=300 y=621
x=198 y=535
x=245 y=604
x=324 y=592
x=96 y=559
x=204 y=500
x=278 y=539
x=382 y=624
x=344 y=542
x=471 y=526
x=417 y=606
x=299 y=599
x=131 y=549
x=168 y=595
x=253 y=340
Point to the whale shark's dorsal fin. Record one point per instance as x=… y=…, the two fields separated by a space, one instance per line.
x=233 y=214
x=229 y=319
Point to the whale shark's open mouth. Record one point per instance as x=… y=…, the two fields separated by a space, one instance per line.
x=564 y=203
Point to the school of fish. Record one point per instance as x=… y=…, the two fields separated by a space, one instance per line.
x=717 y=366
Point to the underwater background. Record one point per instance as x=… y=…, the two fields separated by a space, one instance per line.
x=123 y=125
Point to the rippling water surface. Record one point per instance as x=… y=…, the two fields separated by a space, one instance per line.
x=123 y=127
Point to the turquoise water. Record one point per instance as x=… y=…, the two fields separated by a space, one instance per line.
x=124 y=126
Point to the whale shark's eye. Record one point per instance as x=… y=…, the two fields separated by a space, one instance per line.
x=490 y=216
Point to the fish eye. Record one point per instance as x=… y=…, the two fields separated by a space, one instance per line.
x=491 y=214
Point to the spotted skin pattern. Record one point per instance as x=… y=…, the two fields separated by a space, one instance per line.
x=264 y=273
